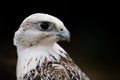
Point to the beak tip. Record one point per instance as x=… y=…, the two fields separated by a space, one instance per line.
x=68 y=39
x=64 y=38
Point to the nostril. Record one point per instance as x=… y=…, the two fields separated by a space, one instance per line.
x=61 y=29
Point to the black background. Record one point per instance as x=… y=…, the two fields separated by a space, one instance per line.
x=94 y=32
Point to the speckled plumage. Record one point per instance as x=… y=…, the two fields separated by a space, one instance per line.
x=39 y=56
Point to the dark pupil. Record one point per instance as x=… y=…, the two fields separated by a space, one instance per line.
x=44 y=25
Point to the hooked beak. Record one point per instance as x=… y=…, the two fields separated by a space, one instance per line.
x=63 y=35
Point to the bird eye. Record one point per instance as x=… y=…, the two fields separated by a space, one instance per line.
x=45 y=26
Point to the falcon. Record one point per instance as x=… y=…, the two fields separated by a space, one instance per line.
x=39 y=55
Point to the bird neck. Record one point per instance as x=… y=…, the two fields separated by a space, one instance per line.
x=40 y=50
x=29 y=58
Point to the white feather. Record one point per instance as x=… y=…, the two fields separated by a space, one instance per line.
x=39 y=52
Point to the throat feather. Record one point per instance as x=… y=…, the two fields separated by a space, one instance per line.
x=36 y=57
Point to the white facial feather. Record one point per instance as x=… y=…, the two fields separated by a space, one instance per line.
x=29 y=33
x=33 y=43
x=43 y=17
x=36 y=46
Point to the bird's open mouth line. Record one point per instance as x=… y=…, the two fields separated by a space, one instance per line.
x=60 y=37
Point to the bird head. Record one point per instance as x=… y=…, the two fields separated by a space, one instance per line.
x=41 y=29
